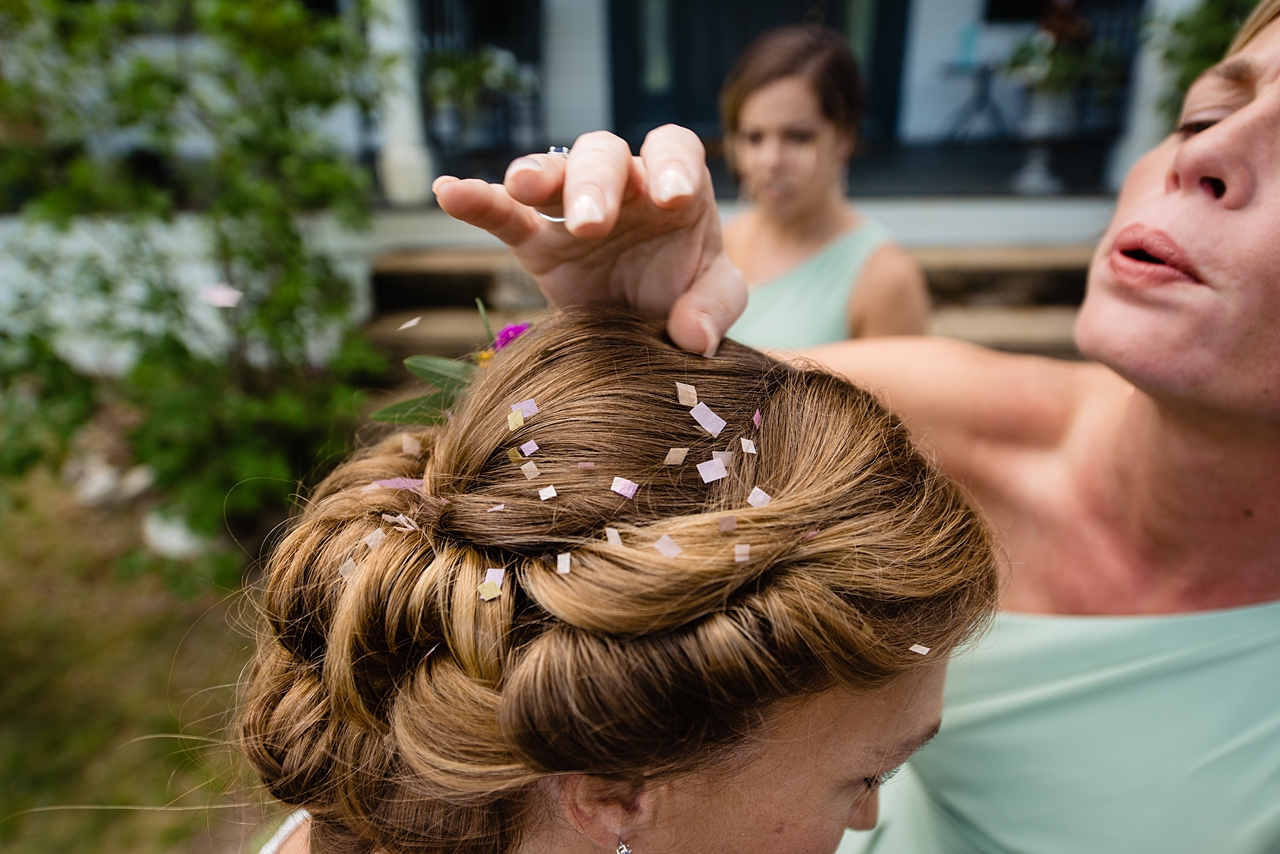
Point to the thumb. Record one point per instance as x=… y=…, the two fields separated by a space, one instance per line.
x=703 y=314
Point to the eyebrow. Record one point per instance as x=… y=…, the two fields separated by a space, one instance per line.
x=905 y=750
x=1240 y=70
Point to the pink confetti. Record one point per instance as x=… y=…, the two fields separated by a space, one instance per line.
x=756 y=419
x=529 y=448
x=710 y=422
x=712 y=470
x=495 y=508
x=624 y=487
x=526 y=408
x=727 y=523
x=919 y=649
x=742 y=552
x=409 y=324
x=811 y=534
x=586 y=466
x=220 y=295
x=758 y=497
x=495 y=575
x=400 y=483
x=547 y=492
x=668 y=546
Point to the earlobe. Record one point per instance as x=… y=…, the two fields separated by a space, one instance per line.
x=605 y=811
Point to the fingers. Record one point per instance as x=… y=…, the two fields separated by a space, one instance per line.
x=703 y=314
x=675 y=161
x=486 y=206
x=596 y=177
x=535 y=179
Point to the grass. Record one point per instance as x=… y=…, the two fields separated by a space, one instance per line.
x=98 y=672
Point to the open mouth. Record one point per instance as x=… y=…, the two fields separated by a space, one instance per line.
x=1147 y=256
x=1141 y=255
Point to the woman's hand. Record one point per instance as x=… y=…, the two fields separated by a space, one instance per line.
x=642 y=232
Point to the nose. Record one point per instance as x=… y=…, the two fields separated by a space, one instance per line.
x=1219 y=163
x=865 y=812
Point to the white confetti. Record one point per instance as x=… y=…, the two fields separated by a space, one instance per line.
x=495 y=508
x=375 y=539
x=675 y=456
x=919 y=649
x=748 y=446
x=527 y=408
x=370 y=486
x=712 y=469
x=668 y=546
x=687 y=394
x=547 y=492
x=727 y=523
x=400 y=522
x=562 y=564
x=495 y=575
x=347 y=568
x=625 y=488
x=529 y=448
x=725 y=457
x=758 y=497
x=409 y=324
x=710 y=422
x=410 y=445
x=742 y=552
x=612 y=535
x=530 y=470
x=220 y=295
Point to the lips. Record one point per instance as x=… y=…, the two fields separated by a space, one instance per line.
x=1143 y=256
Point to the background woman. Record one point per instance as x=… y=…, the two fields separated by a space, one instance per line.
x=601 y=648
x=1129 y=700
x=819 y=271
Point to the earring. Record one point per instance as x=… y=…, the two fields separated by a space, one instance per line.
x=623 y=848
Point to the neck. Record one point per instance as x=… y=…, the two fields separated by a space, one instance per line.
x=1198 y=495
x=820 y=221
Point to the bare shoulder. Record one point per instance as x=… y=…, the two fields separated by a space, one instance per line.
x=891 y=296
x=298 y=841
x=965 y=402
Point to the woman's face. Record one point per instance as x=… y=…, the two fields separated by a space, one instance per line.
x=815 y=775
x=789 y=156
x=1184 y=290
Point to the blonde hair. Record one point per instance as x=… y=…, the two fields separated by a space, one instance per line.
x=408 y=714
x=1262 y=15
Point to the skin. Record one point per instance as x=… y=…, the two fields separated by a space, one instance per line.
x=1146 y=483
x=790 y=158
x=814 y=772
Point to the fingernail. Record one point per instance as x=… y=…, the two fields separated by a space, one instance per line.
x=713 y=337
x=523 y=164
x=586 y=210
x=672 y=184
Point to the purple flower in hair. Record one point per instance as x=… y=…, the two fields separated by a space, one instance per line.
x=509 y=333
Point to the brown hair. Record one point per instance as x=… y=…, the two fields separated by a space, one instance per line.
x=408 y=714
x=821 y=56
x=1262 y=15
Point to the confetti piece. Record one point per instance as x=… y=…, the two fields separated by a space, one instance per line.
x=585 y=466
x=369 y=486
x=530 y=470
x=399 y=483
x=495 y=508
x=490 y=591
x=725 y=457
x=527 y=408
x=547 y=492
x=811 y=534
x=409 y=324
x=756 y=419
x=528 y=448
x=375 y=539
x=675 y=456
x=515 y=420
x=514 y=456
x=410 y=445
x=495 y=575
x=742 y=552
x=710 y=422
x=612 y=535
x=727 y=523
x=220 y=295
x=624 y=487
x=758 y=497
x=748 y=446
x=919 y=649
x=712 y=469
x=562 y=564
x=667 y=546
x=347 y=568
x=400 y=522
x=687 y=394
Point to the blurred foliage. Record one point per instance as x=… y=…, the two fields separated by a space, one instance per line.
x=125 y=113
x=1196 y=40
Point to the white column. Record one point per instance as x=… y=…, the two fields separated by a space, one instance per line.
x=405 y=167
x=577 y=81
x=1145 y=125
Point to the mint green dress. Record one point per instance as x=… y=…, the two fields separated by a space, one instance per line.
x=1100 y=735
x=809 y=304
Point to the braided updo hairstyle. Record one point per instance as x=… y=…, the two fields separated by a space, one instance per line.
x=408 y=714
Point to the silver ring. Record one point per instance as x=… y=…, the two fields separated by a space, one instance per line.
x=563 y=152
